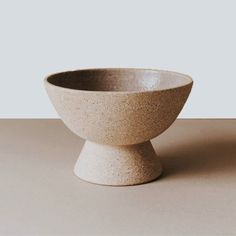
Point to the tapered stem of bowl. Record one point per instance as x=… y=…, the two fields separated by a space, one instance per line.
x=118 y=165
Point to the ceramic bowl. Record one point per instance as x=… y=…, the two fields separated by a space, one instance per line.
x=117 y=112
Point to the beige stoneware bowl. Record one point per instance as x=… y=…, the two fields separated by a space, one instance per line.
x=117 y=112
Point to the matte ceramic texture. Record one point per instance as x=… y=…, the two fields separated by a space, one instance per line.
x=118 y=111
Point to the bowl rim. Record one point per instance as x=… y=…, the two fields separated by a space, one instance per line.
x=187 y=77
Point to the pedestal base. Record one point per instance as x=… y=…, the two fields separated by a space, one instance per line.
x=118 y=165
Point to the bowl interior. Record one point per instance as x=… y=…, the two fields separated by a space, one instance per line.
x=119 y=80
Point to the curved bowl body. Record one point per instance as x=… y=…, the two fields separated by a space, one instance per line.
x=119 y=117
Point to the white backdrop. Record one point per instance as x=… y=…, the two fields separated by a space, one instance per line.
x=42 y=37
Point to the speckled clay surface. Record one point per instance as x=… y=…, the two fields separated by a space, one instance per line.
x=118 y=111
x=118 y=165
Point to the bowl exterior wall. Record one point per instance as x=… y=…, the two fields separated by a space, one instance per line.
x=118 y=118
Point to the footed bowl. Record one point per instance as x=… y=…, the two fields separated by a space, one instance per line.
x=118 y=112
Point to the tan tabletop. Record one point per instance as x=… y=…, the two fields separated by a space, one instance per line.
x=40 y=195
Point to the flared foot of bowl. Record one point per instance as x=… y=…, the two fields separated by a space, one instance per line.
x=118 y=165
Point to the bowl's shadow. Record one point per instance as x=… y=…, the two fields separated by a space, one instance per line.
x=212 y=155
